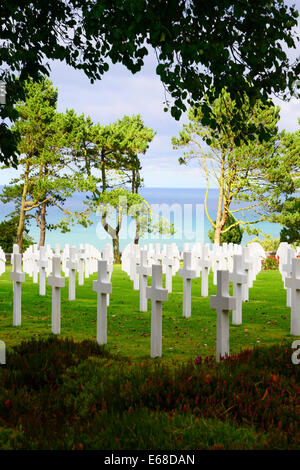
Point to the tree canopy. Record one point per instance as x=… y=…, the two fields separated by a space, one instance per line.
x=199 y=45
x=258 y=176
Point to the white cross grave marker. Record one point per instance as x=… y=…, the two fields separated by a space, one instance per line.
x=157 y=295
x=293 y=283
x=72 y=266
x=223 y=303
x=16 y=249
x=35 y=269
x=17 y=277
x=81 y=267
x=103 y=288
x=247 y=269
x=287 y=272
x=57 y=282
x=134 y=262
x=204 y=264
x=187 y=274
x=238 y=278
x=144 y=271
x=170 y=263
x=42 y=263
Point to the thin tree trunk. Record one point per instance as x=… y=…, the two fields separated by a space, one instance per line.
x=137 y=233
x=114 y=233
x=22 y=209
x=43 y=224
x=116 y=249
x=218 y=229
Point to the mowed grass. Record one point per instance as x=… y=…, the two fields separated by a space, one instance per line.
x=266 y=319
x=66 y=392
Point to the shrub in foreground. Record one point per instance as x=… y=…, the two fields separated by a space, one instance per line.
x=91 y=399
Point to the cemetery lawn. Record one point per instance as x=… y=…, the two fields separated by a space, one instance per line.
x=266 y=319
x=67 y=392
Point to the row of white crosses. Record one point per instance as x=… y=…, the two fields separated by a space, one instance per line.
x=222 y=302
x=158 y=294
x=37 y=263
x=289 y=266
x=200 y=259
x=57 y=282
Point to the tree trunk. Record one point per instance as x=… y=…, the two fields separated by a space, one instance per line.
x=22 y=210
x=218 y=229
x=217 y=237
x=43 y=225
x=137 y=237
x=116 y=249
x=21 y=227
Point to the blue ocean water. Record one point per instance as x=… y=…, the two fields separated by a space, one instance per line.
x=182 y=206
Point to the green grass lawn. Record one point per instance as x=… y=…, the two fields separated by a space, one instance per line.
x=67 y=392
x=266 y=319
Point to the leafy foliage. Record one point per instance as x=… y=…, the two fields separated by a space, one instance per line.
x=43 y=160
x=234 y=234
x=257 y=175
x=8 y=235
x=91 y=399
x=199 y=45
x=268 y=243
x=290 y=218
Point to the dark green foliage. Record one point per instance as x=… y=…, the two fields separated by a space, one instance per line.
x=199 y=45
x=8 y=235
x=290 y=218
x=233 y=235
x=90 y=399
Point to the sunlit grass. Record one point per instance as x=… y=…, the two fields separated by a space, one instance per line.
x=266 y=319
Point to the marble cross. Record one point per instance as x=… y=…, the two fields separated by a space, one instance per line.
x=287 y=272
x=16 y=250
x=103 y=288
x=72 y=266
x=42 y=264
x=204 y=264
x=223 y=303
x=187 y=274
x=107 y=256
x=238 y=278
x=247 y=266
x=17 y=277
x=2 y=261
x=293 y=282
x=87 y=263
x=157 y=294
x=134 y=262
x=81 y=266
x=57 y=282
x=169 y=262
x=35 y=259
x=144 y=271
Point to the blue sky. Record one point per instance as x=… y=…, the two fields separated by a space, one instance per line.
x=119 y=93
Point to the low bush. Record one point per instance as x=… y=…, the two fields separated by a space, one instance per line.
x=58 y=394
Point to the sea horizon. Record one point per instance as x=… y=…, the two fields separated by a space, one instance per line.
x=186 y=206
